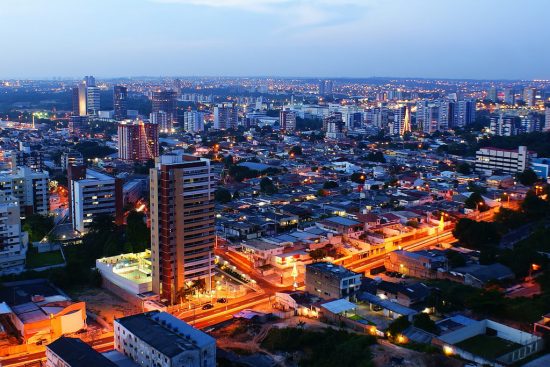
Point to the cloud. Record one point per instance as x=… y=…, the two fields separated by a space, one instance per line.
x=293 y=14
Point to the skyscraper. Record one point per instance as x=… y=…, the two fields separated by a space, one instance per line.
x=529 y=95
x=402 y=120
x=165 y=100
x=193 y=121
x=502 y=125
x=465 y=112
x=161 y=119
x=287 y=120
x=120 y=102
x=225 y=116
x=137 y=141
x=182 y=223
x=92 y=100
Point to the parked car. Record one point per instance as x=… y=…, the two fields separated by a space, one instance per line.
x=222 y=300
x=207 y=306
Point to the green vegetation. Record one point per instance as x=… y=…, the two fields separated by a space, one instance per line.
x=452 y=296
x=527 y=177
x=330 y=185
x=37 y=259
x=322 y=348
x=295 y=150
x=398 y=325
x=222 y=195
x=376 y=157
x=536 y=141
x=136 y=232
x=38 y=226
x=486 y=346
x=92 y=149
x=424 y=322
x=267 y=186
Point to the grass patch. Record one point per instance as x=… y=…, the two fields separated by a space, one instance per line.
x=40 y=259
x=489 y=347
x=327 y=348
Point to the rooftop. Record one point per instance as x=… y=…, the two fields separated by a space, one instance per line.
x=166 y=333
x=336 y=271
x=75 y=352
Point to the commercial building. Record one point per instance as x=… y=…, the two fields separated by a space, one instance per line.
x=287 y=120
x=504 y=160
x=38 y=312
x=73 y=352
x=420 y=264
x=92 y=193
x=30 y=189
x=130 y=273
x=465 y=112
x=120 y=102
x=93 y=103
x=330 y=281
x=137 y=141
x=182 y=222
x=13 y=243
x=160 y=339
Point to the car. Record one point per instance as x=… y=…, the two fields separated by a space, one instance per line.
x=207 y=306
x=376 y=308
x=222 y=300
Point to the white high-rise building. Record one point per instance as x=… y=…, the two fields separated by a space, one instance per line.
x=505 y=160
x=13 y=249
x=162 y=119
x=502 y=125
x=30 y=189
x=193 y=121
x=93 y=100
x=546 y=119
x=92 y=193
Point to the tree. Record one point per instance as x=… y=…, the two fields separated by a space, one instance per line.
x=398 y=325
x=534 y=207
x=222 y=195
x=376 y=157
x=463 y=168
x=295 y=150
x=358 y=177
x=37 y=226
x=137 y=234
x=267 y=186
x=476 y=235
x=318 y=254
x=527 y=177
x=475 y=201
x=424 y=322
x=330 y=185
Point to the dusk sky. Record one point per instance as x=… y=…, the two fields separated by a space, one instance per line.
x=331 y=38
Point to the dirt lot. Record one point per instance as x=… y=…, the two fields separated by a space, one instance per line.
x=105 y=304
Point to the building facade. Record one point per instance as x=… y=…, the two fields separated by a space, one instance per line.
x=13 y=242
x=92 y=193
x=30 y=189
x=504 y=160
x=120 y=102
x=329 y=281
x=158 y=339
x=138 y=141
x=182 y=222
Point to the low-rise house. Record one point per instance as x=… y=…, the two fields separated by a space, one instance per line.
x=420 y=264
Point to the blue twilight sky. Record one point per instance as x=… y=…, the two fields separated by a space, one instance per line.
x=333 y=38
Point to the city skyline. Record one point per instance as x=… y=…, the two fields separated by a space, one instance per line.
x=420 y=39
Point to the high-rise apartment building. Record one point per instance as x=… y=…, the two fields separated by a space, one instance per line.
x=165 y=100
x=465 y=112
x=226 y=116
x=182 y=223
x=401 y=120
x=137 y=140
x=529 y=96
x=13 y=242
x=161 y=119
x=29 y=187
x=326 y=87
x=120 y=102
x=546 y=119
x=193 y=121
x=92 y=193
x=287 y=120
x=502 y=125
